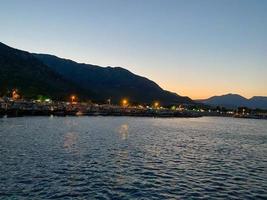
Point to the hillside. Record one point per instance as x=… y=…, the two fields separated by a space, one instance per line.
x=112 y=83
x=47 y=75
x=235 y=100
x=21 y=70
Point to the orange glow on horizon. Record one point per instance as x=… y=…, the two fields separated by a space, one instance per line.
x=198 y=88
x=198 y=94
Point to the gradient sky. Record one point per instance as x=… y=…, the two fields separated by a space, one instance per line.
x=197 y=48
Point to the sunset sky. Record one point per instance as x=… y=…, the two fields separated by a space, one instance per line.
x=197 y=48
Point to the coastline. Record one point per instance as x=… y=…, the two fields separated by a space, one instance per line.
x=131 y=113
x=13 y=113
x=20 y=108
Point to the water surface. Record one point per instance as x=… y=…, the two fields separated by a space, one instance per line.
x=132 y=158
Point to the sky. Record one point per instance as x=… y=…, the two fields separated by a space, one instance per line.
x=196 y=48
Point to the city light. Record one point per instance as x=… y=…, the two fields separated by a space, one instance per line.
x=73 y=99
x=15 y=94
x=124 y=102
x=156 y=104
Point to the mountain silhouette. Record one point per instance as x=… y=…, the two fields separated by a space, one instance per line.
x=112 y=83
x=23 y=71
x=58 y=78
x=235 y=100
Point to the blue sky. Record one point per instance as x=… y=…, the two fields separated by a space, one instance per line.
x=197 y=48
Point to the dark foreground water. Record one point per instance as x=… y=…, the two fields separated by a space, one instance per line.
x=132 y=158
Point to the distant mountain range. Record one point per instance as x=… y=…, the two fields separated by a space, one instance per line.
x=41 y=74
x=235 y=100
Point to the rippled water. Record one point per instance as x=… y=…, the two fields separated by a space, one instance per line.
x=132 y=158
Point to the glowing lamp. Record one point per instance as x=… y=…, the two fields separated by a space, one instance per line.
x=156 y=104
x=124 y=102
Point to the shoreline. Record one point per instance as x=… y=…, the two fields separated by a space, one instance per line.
x=20 y=108
x=32 y=113
x=63 y=113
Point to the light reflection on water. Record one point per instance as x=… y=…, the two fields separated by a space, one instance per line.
x=124 y=131
x=70 y=141
x=132 y=158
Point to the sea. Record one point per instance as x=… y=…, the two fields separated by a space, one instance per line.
x=133 y=158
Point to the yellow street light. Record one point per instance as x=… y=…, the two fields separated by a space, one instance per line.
x=124 y=102
x=156 y=104
x=73 y=98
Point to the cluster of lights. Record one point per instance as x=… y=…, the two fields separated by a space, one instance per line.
x=125 y=103
x=74 y=100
